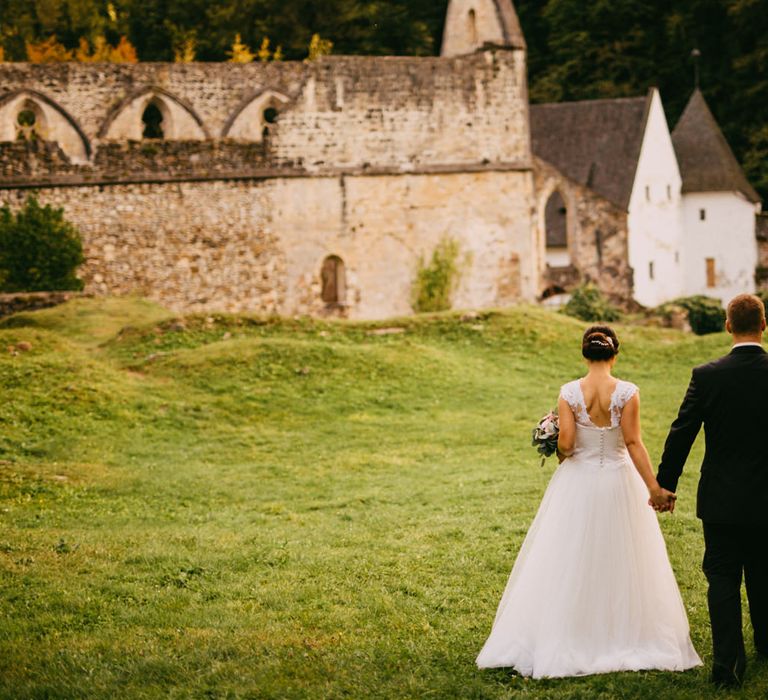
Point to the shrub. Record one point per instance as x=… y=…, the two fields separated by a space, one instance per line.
x=705 y=314
x=588 y=304
x=39 y=250
x=436 y=281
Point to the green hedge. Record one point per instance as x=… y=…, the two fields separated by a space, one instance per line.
x=705 y=314
x=588 y=304
x=39 y=250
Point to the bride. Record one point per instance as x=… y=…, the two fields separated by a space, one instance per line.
x=592 y=589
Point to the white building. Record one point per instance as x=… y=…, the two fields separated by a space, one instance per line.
x=654 y=218
x=639 y=211
x=718 y=208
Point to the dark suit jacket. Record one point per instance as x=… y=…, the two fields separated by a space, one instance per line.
x=730 y=397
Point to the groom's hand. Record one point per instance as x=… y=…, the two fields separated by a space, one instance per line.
x=662 y=501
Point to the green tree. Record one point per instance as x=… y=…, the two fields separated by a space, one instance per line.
x=39 y=250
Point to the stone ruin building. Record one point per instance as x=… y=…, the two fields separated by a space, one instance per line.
x=317 y=187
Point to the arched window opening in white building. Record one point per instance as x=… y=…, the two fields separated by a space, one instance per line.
x=556 y=227
x=651 y=271
x=333 y=281
x=472 y=27
x=152 y=118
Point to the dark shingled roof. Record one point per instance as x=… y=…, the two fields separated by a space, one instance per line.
x=707 y=163
x=596 y=143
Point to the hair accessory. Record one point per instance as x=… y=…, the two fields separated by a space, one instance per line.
x=605 y=341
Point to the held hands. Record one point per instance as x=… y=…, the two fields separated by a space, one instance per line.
x=662 y=501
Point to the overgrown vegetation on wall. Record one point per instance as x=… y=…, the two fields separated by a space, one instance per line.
x=436 y=279
x=40 y=250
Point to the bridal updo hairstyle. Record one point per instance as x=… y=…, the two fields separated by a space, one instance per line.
x=599 y=344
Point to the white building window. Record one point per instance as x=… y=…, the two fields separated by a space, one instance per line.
x=650 y=269
x=677 y=256
x=669 y=191
x=648 y=193
x=702 y=214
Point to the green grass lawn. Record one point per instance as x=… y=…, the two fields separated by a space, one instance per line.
x=233 y=507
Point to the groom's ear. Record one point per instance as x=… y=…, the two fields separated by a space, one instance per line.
x=728 y=326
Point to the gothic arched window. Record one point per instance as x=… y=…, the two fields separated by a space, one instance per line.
x=29 y=121
x=333 y=280
x=556 y=226
x=153 y=121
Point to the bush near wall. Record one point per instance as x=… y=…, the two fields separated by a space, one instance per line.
x=705 y=314
x=436 y=280
x=40 y=250
x=588 y=303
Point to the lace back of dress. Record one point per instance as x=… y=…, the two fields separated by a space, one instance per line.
x=574 y=396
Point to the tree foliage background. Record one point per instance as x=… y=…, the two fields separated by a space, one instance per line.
x=577 y=50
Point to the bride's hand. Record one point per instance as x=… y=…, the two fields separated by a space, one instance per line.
x=662 y=500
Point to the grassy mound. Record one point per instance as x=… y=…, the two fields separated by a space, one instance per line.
x=227 y=506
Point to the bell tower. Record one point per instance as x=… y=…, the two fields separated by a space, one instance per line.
x=470 y=24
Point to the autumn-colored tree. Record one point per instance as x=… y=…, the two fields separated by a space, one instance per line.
x=103 y=52
x=319 y=47
x=185 y=51
x=48 y=51
x=264 y=52
x=2 y=55
x=240 y=52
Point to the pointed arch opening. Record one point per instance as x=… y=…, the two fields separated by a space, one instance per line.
x=333 y=281
x=256 y=117
x=29 y=115
x=152 y=119
x=153 y=113
x=30 y=122
x=556 y=227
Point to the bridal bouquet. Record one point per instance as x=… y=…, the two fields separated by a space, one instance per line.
x=545 y=435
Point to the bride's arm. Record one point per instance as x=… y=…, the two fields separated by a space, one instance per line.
x=567 y=437
x=630 y=428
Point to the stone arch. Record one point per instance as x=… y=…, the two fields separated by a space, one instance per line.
x=255 y=115
x=555 y=226
x=551 y=291
x=51 y=122
x=333 y=281
x=180 y=121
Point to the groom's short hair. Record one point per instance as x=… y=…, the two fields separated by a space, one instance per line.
x=746 y=314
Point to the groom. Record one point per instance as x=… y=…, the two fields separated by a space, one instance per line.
x=730 y=398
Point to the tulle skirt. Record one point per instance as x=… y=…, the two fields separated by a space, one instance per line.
x=592 y=589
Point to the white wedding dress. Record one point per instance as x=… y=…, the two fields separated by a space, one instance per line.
x=592 y=589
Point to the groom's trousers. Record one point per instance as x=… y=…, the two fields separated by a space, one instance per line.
x=729 y=551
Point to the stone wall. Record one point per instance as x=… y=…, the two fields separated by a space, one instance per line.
x=589 y=219
x=373 y=160
x=258 y=245
x=336 y=115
